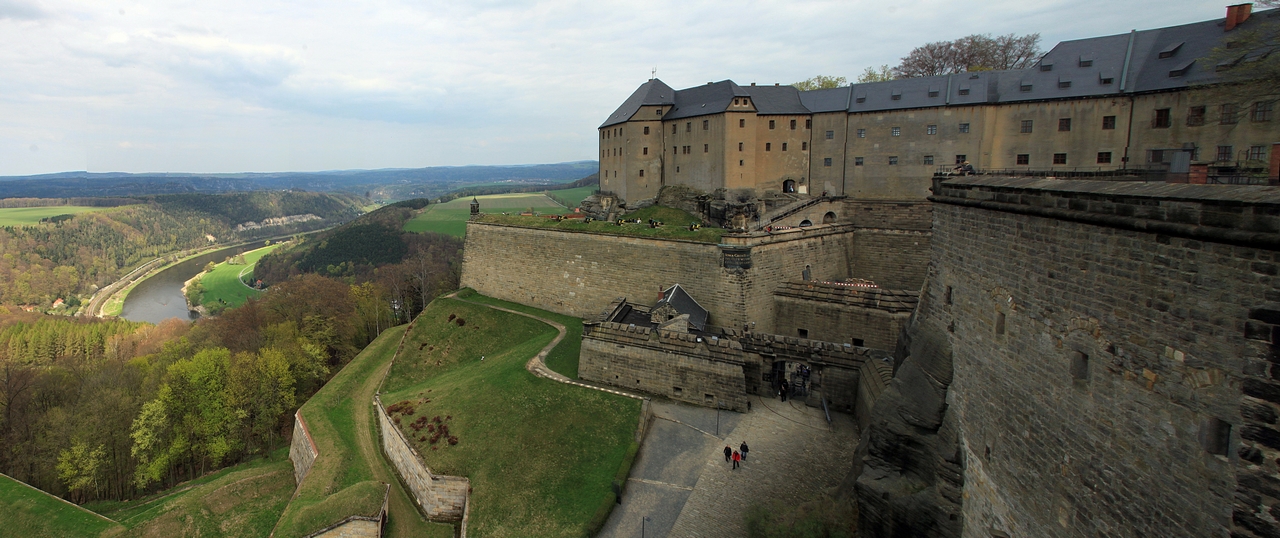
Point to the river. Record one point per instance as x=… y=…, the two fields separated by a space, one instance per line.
x=159 y=297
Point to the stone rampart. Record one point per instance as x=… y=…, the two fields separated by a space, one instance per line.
x=891 y=241
x=302 y=449
x=579 y=273
x=835 y=312
x=442 y=498
x=1114 y=350
x=873 y=378
x=682 y=366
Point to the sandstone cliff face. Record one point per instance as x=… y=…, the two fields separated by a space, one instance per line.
x=908 y=473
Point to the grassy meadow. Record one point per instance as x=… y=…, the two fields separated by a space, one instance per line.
x=30 y=216
x=451 y=217
x=541 y=455
x=224 y=282
x=675 y=225
x=27 y=511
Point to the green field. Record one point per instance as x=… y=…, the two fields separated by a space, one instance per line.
x=574 y=197
x=346 y=478
x=27 y=511
x=244 y=500
x=540 y=454
x=451 y=217
x=675 y=225
x=28 y=216
x=224 y=284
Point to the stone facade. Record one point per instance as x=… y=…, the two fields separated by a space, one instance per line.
x=302 y=449
x=441 y=498
x=836 y=312
x=1112 y=348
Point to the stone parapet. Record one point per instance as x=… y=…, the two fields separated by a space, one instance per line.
x=441 y=498
x=851 y=295
x=302 y=450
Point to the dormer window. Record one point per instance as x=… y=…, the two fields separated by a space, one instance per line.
x=1064 y=83
x=1046 y=67
x=1086 y=61
x=964 y=89
x=1105 y=80
x=933 y=91
x=1181 y=70
x=862 y=98
x=896 y=95
x=1025 y=86
x=1170 y=50
x=735 y=102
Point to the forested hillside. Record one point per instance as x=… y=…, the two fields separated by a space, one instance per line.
x=75 y=255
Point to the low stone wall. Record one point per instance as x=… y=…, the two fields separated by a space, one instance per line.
x=681 y=366
x=442 y=498
x=359 y=526
x=302 y=451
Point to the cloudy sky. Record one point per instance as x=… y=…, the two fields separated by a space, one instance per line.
x=236 y=85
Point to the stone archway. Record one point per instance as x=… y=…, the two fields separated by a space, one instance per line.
x=789 y=186
x=829 y=218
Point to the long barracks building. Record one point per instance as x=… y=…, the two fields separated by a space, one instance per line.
x=1097 y=104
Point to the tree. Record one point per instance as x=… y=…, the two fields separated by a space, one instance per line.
x=978 y=52
x=1247 y=64
x=821 y=82
x=80 y=468
x=874 y=74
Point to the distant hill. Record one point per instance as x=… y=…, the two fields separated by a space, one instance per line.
x=386 y=184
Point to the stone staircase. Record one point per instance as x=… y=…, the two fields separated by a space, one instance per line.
x=787 y=210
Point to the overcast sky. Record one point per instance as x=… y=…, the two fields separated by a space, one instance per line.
x=233 y=85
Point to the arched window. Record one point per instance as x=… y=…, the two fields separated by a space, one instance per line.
x=806 y=223
x=789 y=185
x=829 y=218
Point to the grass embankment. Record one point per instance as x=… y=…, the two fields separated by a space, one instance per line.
x=225 y=284
x=27 y=511
x=540 y=454
x=31 y=216
x=346 y=477
x=675 y=225
x=451 y=217
x=244 y=500
x=564 y=358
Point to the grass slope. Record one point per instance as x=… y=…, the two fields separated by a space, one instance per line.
x=244 y=500
x=675 y=223
x=224 y=282
x=345 y=478
x=451 y=217
x=575 y=196
x=30 y=216
x=27 y=511
x=540 y=454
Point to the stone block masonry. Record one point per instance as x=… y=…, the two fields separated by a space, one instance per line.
x=833 y=312
x=442 y=498
x=1115 y=355
x=681 y=366
x=302 y=449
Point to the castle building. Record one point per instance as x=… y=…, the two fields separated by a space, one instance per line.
x=1140 y=101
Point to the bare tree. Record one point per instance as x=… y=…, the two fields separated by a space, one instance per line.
x=1247 y=64
x=978 y=52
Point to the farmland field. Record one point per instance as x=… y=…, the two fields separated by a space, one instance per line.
x=224 y=282
x=451 y=217
x=29 y=216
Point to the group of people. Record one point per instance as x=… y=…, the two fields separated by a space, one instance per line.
x=736 y=456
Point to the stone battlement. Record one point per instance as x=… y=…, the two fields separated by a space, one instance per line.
x=873 y=298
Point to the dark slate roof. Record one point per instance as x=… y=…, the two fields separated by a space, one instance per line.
x=921 y=92
x=1188 y=44
x=830 y=100
x=654 y=92
x=776 y=100
x=684 y=304
x=1059 y=73
x=711 y=98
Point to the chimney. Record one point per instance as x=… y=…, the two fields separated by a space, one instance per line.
x=753 y=84
x=1236 y=15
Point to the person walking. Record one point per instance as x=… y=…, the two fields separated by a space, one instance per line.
x=728 y=453
x=743 y=449
x=736 y=458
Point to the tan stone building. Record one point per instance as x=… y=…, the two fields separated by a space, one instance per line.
x=1122 y=102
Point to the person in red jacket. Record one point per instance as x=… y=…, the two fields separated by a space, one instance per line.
x=736 y=458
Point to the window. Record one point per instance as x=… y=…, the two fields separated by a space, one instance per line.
x=1064 y=84
x=1262 y=110
x=1104 y=157
x=964 y=127
x=1059 y=158
x=1195 y=116
x=1224 y=154
x=933 y=92
x=770 y=124
x=641 y=172
x=928 y=159
x=768 y=146
x=1064 y=124
x=1108 y=123
x=1155 y=156
x=831 y=135
x=793 y=125
x=808 y=124
x=862 y=133
x=804 y=146
x=1257 y=153
x=784 y=146
x=706 y=124
x=688 y=127
x=896 y=131
x=1229 y=114
x=961 y=159
x=706 y=148
x=739 y=146
x=658 y=111
x=1000 y=323
x=735 y=101
x=1026 y=126
x=1169 y=51
x=1046 y=67
x=896 y=95
x=1085 y=63
x=1024 y=158
x=674 y=150
x=673 y=128
x=742 y=122
x=826 y=161
x=1161 y=119
x=893 y=160
x=1025 y=86
x=804 y=333
x=861 y=99
x=646 y=130
x=645 y=150
x=1079 y=366
x=740 y=161
x=964 y=91
x=1105 y=80
x=932 y=129
x=857 y=161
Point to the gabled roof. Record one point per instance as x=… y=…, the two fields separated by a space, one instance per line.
x=829 y=100
x=710 y=98
x=653 y=92
x=776 y=100
x=684 y=304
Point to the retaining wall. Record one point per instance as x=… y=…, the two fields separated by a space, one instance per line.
x=442 y=498
x=302 y=450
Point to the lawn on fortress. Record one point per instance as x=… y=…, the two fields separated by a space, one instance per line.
x=225 y=282
x=451 y=217
x=31 y=216
x=541 y=455
x=675 y=223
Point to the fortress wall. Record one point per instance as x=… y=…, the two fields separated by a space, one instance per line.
x=442 y=498
x=302 y=450
x=1109 y=380
x=578 y=273
x=891 y=245
x=833 y=321
x=659 y=362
